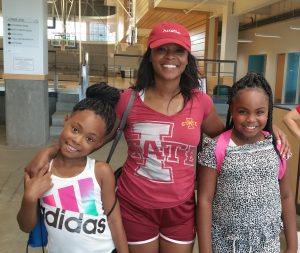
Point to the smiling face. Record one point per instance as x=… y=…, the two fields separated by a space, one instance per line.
x=169 y=62
x=82 y=134
x=249 y=111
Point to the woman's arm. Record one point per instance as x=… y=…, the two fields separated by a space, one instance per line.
x=290 y=120
x=34 y=188
x=207 y=179
x=41 y=159
x=213 y=124
x=288 y=214
x=106 y=179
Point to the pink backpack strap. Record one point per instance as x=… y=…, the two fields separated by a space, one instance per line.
x=282 y=162
x=221 y=145
x=282 y=166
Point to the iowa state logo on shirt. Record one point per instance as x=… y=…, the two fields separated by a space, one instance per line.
x=190 y=123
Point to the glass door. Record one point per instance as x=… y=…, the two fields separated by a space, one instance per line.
x=291 y=79
x=257 y=63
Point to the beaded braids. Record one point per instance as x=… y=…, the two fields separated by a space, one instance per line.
x=189 y=79
x=101 y=99
x=252 y=80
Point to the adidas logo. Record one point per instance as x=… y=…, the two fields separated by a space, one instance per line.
x=57 y=219
x=67 y=197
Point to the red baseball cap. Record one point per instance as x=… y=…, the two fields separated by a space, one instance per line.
x=165 y=33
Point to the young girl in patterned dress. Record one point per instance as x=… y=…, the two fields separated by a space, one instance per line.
x=241 y=207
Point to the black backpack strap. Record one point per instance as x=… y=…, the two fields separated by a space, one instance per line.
x=112 y=208
x=121 y=127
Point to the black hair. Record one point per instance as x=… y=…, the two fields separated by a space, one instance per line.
x=189 y=79
x=101 y=99
x=252 y=80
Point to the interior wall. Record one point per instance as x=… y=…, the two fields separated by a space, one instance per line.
x=289 y=42
x=101 y=58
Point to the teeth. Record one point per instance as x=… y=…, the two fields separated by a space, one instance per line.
x=251 y=127
x=169 y=66
x=71 y=149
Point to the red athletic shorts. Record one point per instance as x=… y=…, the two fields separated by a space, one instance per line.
x=142 y=225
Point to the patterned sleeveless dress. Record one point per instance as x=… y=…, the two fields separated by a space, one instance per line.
x=247 y=205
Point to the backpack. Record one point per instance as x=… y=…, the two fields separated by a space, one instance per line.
x=222 y=143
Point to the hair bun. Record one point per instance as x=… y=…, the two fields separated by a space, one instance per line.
x=102 y=91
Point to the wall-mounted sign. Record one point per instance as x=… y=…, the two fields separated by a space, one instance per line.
x=25 y=44
x=21 y=63
x=22 y=32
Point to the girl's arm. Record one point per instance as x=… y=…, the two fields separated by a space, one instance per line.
x=106 y=179
x=34 y=188
x=41 y=159
x=207 y=179
x=288 y=214
x=290 y=120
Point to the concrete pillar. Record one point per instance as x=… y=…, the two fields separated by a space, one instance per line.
x=26 y=110
x=212 y=50
x=229 y=39
x=26 y=72
x=212 y=38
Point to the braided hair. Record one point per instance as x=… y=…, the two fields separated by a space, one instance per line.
x=101 y=99
x=252 y=80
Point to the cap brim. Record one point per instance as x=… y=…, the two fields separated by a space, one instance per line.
x=161 y=42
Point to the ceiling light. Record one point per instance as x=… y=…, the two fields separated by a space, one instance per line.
x=266 y=35
x=295 y=27
x=245 y=41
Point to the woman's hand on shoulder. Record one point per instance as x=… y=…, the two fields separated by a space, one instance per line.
x=41 y=159
x=37 y=185
x=282 y=141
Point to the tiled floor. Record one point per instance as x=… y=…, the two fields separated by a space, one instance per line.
x=12 y=163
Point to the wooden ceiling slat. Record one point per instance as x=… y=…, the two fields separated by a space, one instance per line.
x=168 y=15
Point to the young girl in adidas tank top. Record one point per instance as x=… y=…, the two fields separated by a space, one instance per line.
x=242 y=205
x=77 y=193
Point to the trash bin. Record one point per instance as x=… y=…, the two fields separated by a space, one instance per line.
x=221 y=90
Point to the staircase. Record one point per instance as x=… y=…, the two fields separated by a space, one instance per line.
x=64 y=105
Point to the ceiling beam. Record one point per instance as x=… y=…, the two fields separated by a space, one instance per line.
x=242 y=6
